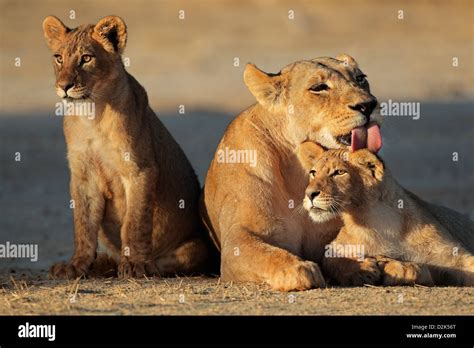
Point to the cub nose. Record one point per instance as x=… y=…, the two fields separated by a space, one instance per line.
x=65 y=86
x=365 y=108
x=312 y=194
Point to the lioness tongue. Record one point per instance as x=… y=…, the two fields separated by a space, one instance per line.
x=374 y=138
x=369 y=138
x=358 y=138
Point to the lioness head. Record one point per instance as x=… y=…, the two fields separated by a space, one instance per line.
x=338 y=179
x=86 y=59
x=327 y=100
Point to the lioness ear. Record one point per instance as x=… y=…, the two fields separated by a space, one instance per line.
x=266 y=88
x=54 y=31
x=111 y=33
x=309 y=153
x=348 y=60
x=366 y=159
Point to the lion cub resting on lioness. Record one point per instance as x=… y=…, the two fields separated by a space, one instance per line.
x=385 y=222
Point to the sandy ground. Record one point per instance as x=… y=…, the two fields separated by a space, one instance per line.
x=191 y=63
x=209 y=296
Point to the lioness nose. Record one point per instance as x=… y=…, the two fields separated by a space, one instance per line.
x=312 y=194
x=65 y=85
x=365 y=108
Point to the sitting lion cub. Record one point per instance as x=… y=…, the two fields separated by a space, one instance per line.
x=135 y=193
x=382 y=218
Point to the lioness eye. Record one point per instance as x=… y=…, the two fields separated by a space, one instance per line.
x=312 y=173
x=361 y=78
x=319 y=87
x=58 y=58
x=86 y=58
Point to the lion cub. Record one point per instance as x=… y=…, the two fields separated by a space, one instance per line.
x=135 y=194
x=382 y=218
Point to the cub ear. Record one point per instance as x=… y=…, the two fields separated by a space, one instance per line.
x=369 y=161
x=348 y=60
x=111 y=33
x=54 y=31
x=309 y=153
x=266 y=88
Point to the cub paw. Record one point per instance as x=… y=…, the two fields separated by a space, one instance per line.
x=405 y=273
x=70 y=270
x=129 y=269
x=361 y=272
x=303 y=275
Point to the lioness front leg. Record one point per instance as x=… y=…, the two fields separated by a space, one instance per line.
x=247 y=257
x=136 y=233
x=88 y=211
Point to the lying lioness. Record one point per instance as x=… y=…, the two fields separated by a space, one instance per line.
x=250 y=206
x=384 y=219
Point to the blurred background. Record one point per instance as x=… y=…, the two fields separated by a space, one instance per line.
x=407 y=56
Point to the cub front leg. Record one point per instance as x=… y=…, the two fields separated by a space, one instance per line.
x=341 y=265
x=247 y=257
x=136 y=258
x=88 y=211
x=352 y=272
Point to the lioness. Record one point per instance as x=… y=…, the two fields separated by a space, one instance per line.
x=249 y=207
x=134 y=191
x=385 y=219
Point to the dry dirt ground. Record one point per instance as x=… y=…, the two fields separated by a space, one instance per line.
x=210 y=296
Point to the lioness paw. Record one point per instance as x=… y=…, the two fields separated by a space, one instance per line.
x=405 y=273
x=303 y=275
x=129 y=269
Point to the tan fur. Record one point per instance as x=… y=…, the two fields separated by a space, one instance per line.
x=248 y=209
x=128 y=174
x=429 y=245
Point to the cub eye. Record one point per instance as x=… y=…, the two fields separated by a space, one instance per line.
x=312 y=173
x=361 y=79
x=319 y=88
x=58 y=59
x=86 y=58
x=339 y=172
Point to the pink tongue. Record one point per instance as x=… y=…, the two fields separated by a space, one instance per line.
x=374 y=138
x=370 y=138
x=358 y=138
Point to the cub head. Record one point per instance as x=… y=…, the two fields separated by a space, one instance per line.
x=86 y=59
x=326 y=100
x=339 y=180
